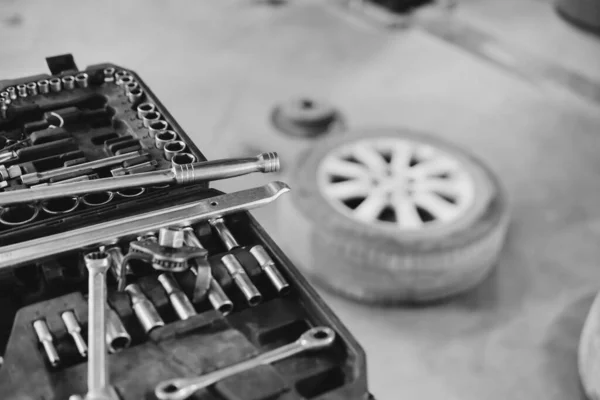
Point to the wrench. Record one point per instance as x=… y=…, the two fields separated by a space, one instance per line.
x=182 y=388
x=107 y=232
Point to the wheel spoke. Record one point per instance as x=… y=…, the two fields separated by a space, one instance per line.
x=339 y=167
x=436 y=206
x=435 y=166
x=401 y=155
x=371 y=207
x=373 y=160
x=349 y=189
x=406 y=214
x=447 y=187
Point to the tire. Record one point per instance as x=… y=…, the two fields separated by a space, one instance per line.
x=385 y=260
x=588 y=360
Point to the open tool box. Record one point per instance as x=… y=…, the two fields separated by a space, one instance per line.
x=159 y=327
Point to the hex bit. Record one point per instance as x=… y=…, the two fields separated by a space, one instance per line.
x=261 y=256
x=45 y=338
x=74 y=330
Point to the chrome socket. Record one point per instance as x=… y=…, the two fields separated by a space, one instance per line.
x=109 y=74
x=163 y=138
x=218 y=299
x=242 y=280
x=224 y=233
x=125 y=80
x=74 y=330
x=82 y=80
x=181 y=304
x=268 y=266
x=172 y=148
x=130 y=86
x=4 y=96
x=61 y=205
x=135 y=95
x=55 y=85
x=171 y=237
x=144 y=309
x=45 y=338
x=68 y=82
x=117 y=337
x=22 y=90
x=150 y=118
x=119 y=75
x=131 y=192
x=44 y=86
x=12 y=92
x=144 y=109
x=181 y=159
x=32 y=89
x=157 y=127
x=97 y=199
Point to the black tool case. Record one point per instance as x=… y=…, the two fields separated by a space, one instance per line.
x=95 y=122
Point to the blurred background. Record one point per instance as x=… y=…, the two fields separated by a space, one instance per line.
x=514 y=82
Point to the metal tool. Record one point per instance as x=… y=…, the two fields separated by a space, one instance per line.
x=122 y=77
x=22 y=90
x=172 y=148
x=68 y=82
x=97 y=263
x=131 y=192
x=63 y=205
x=117 y=337
x=181 y=159
x=37 y=177
x=162 y=138
x=165 y=258
x=150 y=117
x=19 y=214
x=74 y=330
x=109 y=74
x=107 y=232
x=116 y=262
x=157 y=127
x=144 y=309
x=182 y=388
x=258 y=252
x=181 y=304
x=55 y=85
x=142 y=167
x=242 y=280
x=12 y=93
x=135 y=95
x=4 y=109
x=188 y=174
x=32 y=89
x=130 y=86
x=45 y=338
x=82 y=80
x=14 y=171
x=205 y=283
x=43 y=86
x=144 y=109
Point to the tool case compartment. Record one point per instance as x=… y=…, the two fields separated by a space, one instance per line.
x=204 y=342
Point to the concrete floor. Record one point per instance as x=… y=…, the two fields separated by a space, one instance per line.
x=221 y=66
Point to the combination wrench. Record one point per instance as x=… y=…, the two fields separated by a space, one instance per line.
x=182 y=388
x=178 y=174
x=107 y=232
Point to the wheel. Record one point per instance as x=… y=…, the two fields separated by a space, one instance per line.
x=392 y=215
x=588 y=359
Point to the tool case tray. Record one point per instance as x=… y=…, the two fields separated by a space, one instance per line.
x=203 y=343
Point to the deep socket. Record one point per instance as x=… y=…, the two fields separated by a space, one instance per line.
x=241 y=279
x=117 y=337
x=144 y=309
x=181 y=304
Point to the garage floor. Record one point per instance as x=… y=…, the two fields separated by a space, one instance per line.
x=220 y=67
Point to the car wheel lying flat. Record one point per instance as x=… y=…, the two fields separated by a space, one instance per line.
x=392 y=215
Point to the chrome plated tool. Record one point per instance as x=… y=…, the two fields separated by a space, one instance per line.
x=182 y=388
x=107 y=232
x=178 y=174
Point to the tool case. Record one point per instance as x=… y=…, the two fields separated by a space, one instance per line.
x=95 y=115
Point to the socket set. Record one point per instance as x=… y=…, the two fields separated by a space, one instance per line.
x=131 y=278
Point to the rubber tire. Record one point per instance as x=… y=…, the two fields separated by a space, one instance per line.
x=388 y=267
x=588 y=360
